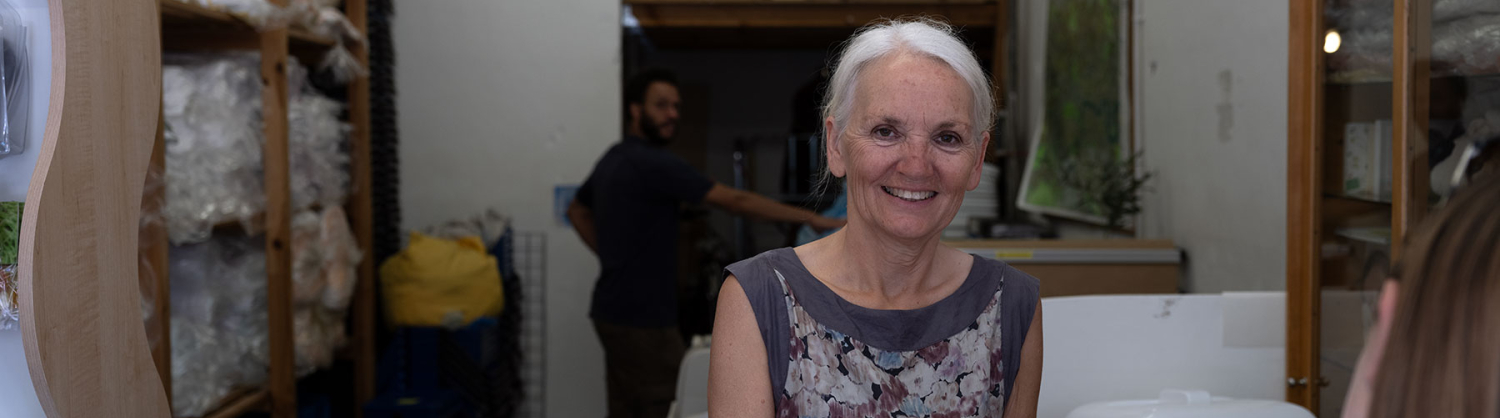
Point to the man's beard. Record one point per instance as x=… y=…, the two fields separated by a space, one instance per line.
x=653 y=133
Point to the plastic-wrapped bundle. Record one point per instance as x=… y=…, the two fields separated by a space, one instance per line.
x=488 y=226
x=343 y=65
x=219 y=322
x=220 y=339
x=323 y=18
x=152 y=201
x=147 y=276
x=9 y=312
x=341 y=256
x=1445 y=10
x=325 y=259
x=319 y=334
x=319 y=162
x=307 y=260
x=15 y=80
x=1364 y=54
x=1467 y=46
x=1346 y=15
x=214 y=138
x=324 y=279
x=259 y=13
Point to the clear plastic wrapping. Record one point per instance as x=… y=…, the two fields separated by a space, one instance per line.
x=152 y=200
x=488 y=226
x=341 y=257
x=215 y=136
x=219 y=322
x=1445 y=10
x=14 y=80
x=1470 y=45
x=342 y=64
x=1465 y=38
x=319 y=161
x=307 y=260
x=318 y=335
x=9 y=312
x=258 y=13
x=220 y=339
x=325 y=259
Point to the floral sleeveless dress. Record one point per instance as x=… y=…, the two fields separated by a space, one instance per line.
x=956 y=365
x=834 y=375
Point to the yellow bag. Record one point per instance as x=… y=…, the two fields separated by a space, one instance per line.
x=435 y=281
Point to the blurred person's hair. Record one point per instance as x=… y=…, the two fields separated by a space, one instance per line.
x=636 y=86
x=1442 y=357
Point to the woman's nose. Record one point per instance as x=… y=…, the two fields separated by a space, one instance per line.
x=915 y=161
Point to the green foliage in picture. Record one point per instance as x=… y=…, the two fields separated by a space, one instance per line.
x=10 y=232
x=1082 y=105
x=1108 y=185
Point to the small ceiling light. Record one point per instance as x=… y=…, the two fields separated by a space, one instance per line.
x=1332 y=41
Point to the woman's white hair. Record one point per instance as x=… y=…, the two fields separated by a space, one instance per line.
x=919 y=35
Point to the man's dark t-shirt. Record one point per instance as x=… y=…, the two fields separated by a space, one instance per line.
x=635 y=194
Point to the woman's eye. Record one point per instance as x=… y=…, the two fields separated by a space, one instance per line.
x=884 y=132
x=949 y=139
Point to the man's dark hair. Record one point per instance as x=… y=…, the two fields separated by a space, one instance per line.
x=636 y=85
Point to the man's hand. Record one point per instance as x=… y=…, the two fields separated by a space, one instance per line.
x=821 y=224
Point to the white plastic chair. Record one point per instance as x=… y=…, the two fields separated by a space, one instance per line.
x=692 y=385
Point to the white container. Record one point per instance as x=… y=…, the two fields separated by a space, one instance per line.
x=1190 y=404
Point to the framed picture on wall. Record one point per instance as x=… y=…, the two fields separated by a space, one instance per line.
x=1085 y=115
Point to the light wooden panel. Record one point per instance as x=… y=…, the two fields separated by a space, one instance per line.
x=802 y=15
x=1410 y=89
x=1104 y=279
x=79 y=293
x=1304 y=198
x=282 y=379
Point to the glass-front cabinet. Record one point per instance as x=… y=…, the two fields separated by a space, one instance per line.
x=1390 y=102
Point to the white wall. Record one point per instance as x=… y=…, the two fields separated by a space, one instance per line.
x=498 y=101
x=18 y=397
x=1211 y=120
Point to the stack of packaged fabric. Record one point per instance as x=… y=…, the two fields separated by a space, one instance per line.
x=321 y=18
x=214 y=141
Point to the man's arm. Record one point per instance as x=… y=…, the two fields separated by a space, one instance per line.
x=750 y=204
x=583 y=222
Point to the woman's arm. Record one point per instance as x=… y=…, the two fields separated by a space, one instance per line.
x=1028 y=384
x=739 y=380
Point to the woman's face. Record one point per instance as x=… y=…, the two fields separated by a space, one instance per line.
x=908 y=151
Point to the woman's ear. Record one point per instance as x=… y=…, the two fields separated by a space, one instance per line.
x=831 y=147
x=978 y=174
x=1389 y=294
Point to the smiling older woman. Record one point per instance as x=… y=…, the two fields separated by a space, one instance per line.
x=880 y=317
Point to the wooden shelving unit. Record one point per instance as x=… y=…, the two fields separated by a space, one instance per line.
x=193 y=28
x=241 y=402
x=1319 y=217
